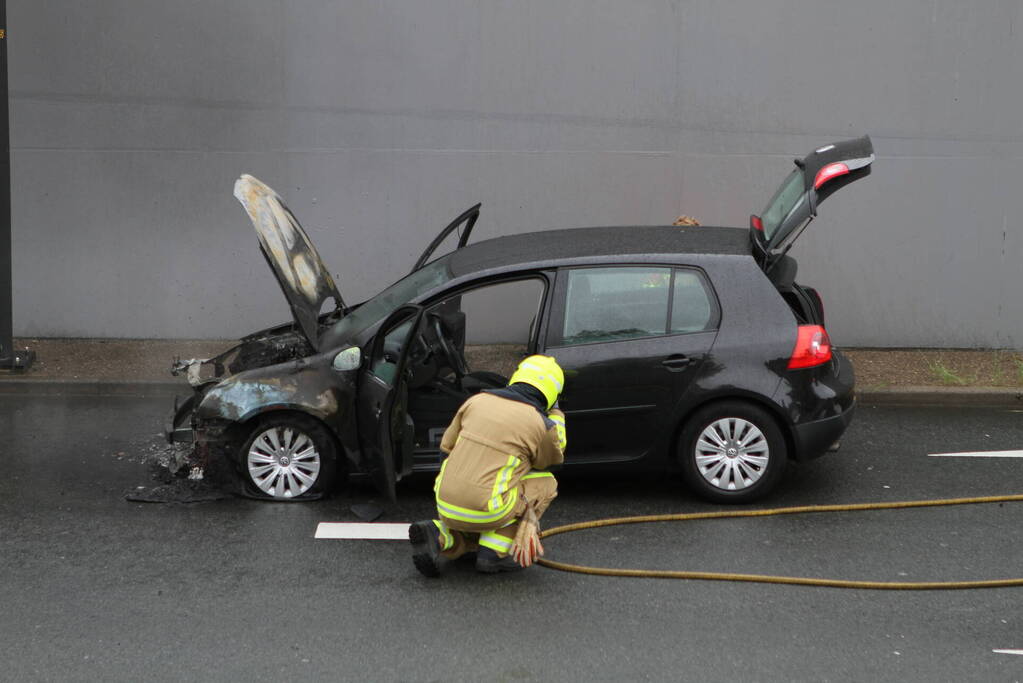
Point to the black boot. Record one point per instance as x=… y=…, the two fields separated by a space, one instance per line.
x=488 y=562
x=425 y=548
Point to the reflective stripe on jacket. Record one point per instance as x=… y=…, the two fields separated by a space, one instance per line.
x=492 y=443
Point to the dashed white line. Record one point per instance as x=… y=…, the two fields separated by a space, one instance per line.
x=979 y=454
x=1009 y=652
x=375 y=531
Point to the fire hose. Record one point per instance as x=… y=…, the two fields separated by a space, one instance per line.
x=763 y=578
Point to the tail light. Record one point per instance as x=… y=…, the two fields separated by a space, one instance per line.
x=828 y=172
x=813 y=348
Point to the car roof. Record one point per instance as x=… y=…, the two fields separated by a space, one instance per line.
x=642 y=242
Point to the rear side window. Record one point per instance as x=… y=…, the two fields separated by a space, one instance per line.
x=611 y=304
x=691 y=308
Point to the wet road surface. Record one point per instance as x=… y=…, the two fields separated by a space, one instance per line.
x=96 y=587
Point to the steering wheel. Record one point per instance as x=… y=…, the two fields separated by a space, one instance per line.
x=450 y=353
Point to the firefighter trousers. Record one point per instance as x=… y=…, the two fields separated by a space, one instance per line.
x=458 y=537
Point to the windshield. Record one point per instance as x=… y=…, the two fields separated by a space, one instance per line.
x=401 y=292
x=782 y=203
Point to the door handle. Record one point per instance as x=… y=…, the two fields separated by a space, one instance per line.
x=676 y=362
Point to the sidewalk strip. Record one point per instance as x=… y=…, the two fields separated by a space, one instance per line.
x=979 y=454
x=382 y=532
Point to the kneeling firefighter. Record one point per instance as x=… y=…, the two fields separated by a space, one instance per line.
x=492 y=487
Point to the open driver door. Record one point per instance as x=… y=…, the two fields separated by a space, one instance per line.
x=385 y=427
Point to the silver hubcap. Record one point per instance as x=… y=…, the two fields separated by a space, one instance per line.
x=283 y=462
x=732 y=454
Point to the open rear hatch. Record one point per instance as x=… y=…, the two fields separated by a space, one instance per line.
x=816 y=177
x=306 y=282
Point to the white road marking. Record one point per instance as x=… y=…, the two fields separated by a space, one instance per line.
x=1009 y=652
x=979 y=454
x=380 y=532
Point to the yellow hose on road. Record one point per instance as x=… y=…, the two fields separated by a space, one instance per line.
x=762 y=578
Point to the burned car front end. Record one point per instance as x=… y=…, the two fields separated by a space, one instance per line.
x=274 y=405
x=266 y=373
x=259 y=350
x=283 y=406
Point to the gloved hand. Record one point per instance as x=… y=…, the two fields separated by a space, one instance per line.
x=527 y=547
x=558 y=418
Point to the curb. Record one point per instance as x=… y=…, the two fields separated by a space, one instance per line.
x=11 y=386
x=988 y=397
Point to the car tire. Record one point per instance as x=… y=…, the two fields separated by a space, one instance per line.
x=288 y=457
x=732 y=452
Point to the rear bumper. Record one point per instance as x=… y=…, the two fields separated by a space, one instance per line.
x=814 y=438
x=820 y=403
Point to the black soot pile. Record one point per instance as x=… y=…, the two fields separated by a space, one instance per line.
x=178 y=475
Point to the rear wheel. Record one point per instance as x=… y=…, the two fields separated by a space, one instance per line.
x=288 y=456
x=732 y=452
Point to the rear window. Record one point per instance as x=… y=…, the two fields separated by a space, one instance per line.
x=612 y=304
x=789 y=196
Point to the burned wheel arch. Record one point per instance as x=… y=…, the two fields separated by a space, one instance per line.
x=311 y=390
x=240 y=399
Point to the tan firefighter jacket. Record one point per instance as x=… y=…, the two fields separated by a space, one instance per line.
x=493 y=442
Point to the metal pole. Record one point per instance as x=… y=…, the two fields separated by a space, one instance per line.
x=10 y=359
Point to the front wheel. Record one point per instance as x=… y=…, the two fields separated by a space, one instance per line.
x=287 y=457
x=732 y=452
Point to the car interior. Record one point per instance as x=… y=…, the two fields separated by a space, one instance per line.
x=456 y=355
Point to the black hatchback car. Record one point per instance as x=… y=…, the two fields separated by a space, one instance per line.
x=690 y=348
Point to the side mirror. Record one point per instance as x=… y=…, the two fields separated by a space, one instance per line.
x=348 y=359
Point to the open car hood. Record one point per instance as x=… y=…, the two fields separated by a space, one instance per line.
x=306 y=282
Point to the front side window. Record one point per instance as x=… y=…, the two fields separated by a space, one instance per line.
x=606 y=304
x=491 y=327
x=611 y=304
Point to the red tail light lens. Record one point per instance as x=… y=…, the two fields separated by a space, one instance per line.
x=813 y=348
x=756 y=223
x=828 y=172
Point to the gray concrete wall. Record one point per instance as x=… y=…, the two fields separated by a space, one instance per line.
x=380 y=120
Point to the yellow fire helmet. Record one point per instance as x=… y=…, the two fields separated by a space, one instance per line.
x=542 y=372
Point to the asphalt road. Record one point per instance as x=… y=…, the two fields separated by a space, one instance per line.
x=98 y=588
